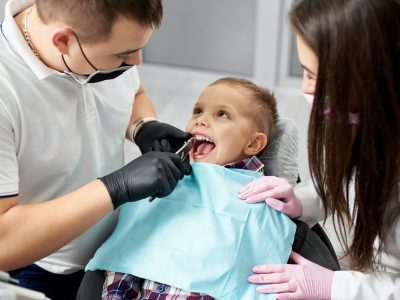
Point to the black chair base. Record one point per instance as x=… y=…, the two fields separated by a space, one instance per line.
x=314 y=245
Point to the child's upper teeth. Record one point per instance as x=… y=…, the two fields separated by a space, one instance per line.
x=202 y=138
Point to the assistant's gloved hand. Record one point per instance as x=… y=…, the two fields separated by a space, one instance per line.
x=152 y=134
x=276 y=192
x=302 y=280
x=152 y=174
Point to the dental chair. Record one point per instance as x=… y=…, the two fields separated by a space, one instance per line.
x=280 y=159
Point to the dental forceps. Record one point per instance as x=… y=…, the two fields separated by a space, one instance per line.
x=183 y=153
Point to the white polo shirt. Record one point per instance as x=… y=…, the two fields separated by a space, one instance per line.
x=57 y=135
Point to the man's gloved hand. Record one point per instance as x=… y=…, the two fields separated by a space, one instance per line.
x=152 y=134
x=302 y=280
x=152 y=174
x=276 y=192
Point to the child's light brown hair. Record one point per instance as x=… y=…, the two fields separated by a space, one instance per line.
x=263 y=107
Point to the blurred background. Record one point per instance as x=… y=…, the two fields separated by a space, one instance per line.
x=200 y=41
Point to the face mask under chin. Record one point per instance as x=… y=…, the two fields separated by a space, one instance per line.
x=99 y=75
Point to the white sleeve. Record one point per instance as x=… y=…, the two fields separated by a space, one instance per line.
x=8 y=156
x=358 y=285
x=313 y=209
x=134 y=74
x=384 y=283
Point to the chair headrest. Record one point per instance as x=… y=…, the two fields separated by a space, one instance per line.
x=280 y=157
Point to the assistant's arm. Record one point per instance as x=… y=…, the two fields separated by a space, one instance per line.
x=304 y=279
x=358 y=285
x=384 y=283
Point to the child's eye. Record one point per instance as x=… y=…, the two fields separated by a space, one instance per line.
x=197 y=111
x=223 y=114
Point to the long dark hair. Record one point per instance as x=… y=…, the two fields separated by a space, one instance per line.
x=357 y=43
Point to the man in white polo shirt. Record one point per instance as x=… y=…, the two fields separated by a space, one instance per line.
x=69 y=96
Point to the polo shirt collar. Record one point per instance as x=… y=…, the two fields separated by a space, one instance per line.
x=17 y=42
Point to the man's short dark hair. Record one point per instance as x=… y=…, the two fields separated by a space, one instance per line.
x=92 y=20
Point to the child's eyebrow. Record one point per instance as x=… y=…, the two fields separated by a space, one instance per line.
x=226 y=106
x=196 y=106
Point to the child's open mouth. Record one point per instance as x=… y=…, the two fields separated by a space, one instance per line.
x=202 y=147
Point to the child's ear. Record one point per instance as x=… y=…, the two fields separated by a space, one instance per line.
x=257 y=142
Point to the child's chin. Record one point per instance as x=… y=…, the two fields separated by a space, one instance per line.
x=203 y=161
x=207 y=159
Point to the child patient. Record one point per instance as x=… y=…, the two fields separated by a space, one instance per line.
x=231 y=123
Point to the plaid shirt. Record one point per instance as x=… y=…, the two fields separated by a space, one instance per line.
x=253 y=164
x=122 y=286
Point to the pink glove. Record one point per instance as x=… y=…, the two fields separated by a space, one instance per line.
x=276 y=192
x=303 y=280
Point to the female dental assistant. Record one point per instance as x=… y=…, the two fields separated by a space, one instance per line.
x=350 y=53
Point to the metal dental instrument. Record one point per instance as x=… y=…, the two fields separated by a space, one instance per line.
x=183 y=152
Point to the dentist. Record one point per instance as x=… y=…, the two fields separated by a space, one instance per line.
x=69 y=96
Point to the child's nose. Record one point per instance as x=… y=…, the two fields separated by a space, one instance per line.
x=201 y=122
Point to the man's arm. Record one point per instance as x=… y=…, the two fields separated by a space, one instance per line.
x=149 y=134
x=29 y=232
x=142 y=108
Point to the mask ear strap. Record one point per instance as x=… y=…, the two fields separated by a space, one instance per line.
x=65 y=63
x=84 y=55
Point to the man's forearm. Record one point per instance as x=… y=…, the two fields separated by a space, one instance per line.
x=142 y=108
x=29 y=232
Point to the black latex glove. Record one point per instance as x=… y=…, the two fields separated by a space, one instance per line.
x=152 y=174
x=165 y=146
x=151 y=134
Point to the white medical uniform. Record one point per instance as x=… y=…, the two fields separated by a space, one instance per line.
x=384 y=284
x=57 y=135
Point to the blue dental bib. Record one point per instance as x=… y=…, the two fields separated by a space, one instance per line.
x=201 y=237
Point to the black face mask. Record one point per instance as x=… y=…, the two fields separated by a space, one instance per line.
x=98 y=75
